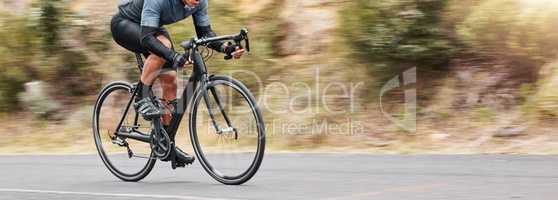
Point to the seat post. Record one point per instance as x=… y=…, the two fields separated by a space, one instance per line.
x=140 y=61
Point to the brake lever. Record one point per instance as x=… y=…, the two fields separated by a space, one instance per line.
x=244 y=34
x=238 y=42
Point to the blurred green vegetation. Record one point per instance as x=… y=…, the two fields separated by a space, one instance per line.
x=417 y=32
x=395 y=34
x=17 y=50
x=469 y=55
x=390 y=36
x=386 y=36
x=51 y=42
x=50 y=23
x=33 y=49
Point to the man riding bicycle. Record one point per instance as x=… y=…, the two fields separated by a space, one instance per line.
x=138 y=27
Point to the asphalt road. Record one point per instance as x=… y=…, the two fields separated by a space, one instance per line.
x=293 y=176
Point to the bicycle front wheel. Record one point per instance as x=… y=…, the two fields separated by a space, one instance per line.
x=227 y=130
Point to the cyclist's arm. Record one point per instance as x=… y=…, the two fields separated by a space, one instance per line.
x=206 y=32
x=150 y=17
x=203 y=27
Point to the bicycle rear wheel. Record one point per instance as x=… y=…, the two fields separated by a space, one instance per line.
x=127 y=159
x=232 y=152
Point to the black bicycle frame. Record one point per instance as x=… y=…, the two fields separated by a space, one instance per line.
x=199 y=75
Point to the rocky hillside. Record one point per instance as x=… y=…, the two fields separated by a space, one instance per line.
x=442 y=76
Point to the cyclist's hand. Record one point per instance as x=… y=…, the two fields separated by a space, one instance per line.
x=178 y=61
x=238 y=52
x=235 y=51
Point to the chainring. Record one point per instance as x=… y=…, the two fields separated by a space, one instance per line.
x=161 y=144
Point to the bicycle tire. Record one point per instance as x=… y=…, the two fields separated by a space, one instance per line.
x=129 y=177
x=256 y=162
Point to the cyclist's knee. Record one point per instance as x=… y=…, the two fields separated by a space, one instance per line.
x=157 y=59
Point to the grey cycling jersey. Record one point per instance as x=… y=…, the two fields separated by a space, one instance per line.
x=156 y=13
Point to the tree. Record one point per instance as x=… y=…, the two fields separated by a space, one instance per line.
x=50 y=23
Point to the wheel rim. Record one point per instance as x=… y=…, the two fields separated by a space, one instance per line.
x=228 y=159
x=108 y=111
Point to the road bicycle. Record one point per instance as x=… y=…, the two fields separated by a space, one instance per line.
x=226 y=127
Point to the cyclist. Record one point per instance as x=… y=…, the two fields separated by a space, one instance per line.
x=138 y=27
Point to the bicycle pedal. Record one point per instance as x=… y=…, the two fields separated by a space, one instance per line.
x=175 y=164
x=182 y=165
x=118 y=141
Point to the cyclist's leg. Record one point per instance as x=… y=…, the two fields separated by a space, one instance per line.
x=168 y=84
x=128 y=35
x=153 y=68
x=154 y=64
x=167 y=77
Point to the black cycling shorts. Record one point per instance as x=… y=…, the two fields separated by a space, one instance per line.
x=128 y=35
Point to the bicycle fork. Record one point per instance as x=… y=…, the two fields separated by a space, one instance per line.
x=220 y=131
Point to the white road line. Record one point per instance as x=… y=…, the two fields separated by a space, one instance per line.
x=5 y=190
